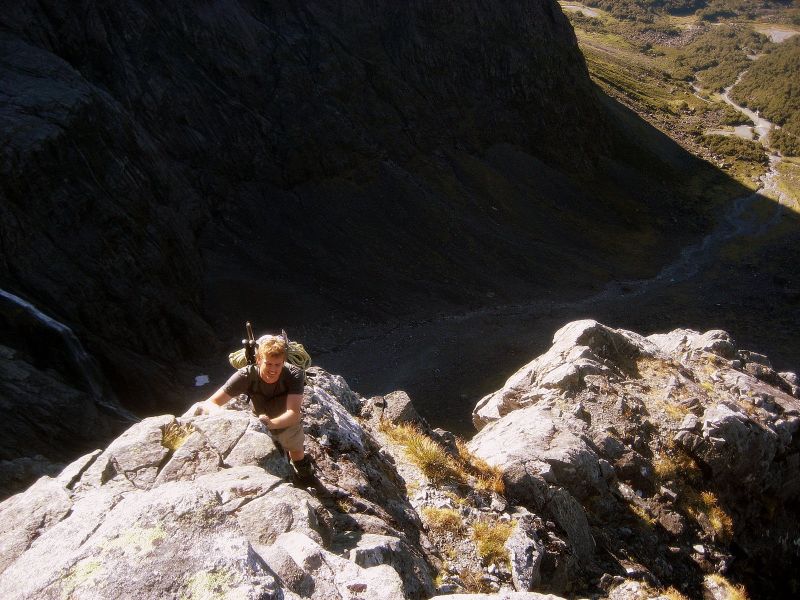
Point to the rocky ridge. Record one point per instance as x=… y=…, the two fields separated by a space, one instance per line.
x=667 y=457
x=629 y=465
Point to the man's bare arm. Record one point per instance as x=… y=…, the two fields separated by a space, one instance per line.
x=294 y=402
x=217 y=400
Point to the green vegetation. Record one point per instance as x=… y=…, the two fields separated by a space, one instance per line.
x=735 y=147
x=789 y=181
x=717 y=56
x=771 y=87
x=717 y=10
x=732 y=117
x=647 y=11
x=650 y=54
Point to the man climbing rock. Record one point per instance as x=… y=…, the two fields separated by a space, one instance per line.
x=275 y=389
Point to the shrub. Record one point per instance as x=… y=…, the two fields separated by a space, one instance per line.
x=736 y=147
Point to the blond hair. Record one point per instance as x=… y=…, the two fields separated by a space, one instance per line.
x=273 y=345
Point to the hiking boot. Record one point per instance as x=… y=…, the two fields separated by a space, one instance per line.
x=304 y=469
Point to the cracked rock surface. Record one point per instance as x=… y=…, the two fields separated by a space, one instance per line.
x=629 y=465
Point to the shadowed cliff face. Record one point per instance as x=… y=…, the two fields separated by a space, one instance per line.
x=168 y=171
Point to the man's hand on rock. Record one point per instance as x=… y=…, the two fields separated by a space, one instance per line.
x=265 y=420
x=208 y=407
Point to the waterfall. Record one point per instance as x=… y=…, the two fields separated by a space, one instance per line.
x=85 y=366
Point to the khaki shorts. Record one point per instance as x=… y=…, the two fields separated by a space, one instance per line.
x=291 y=438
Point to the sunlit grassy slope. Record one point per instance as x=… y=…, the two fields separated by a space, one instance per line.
x=670 y=69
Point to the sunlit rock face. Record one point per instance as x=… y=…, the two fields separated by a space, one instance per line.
x=677 y=450
x=205 y=505
x=681 y=448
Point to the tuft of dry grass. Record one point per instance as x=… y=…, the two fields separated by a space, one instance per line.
x=732 y=592
x=704 y=508
x=672 y=594
x=488 y=478
x=720 y=521
x=473 y=581
x=676 y=465
x=174 y=435
x=431 y=458
x=675 y=411
x=438 y=465
x=490 y=538
x=443 y=520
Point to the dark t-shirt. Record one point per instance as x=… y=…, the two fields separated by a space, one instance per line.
x=267 y=398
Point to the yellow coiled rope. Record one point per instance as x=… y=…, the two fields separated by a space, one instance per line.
x=296 y=356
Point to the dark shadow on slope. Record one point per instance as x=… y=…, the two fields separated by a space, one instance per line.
x=735 y=275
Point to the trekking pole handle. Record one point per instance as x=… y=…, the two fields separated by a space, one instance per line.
x=249 y=345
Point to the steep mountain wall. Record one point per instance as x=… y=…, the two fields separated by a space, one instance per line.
x=165 y=169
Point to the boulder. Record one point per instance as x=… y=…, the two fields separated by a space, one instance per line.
x=398 y=408
x=525 y=552
x=505 y=595
x=679 y=341
x=336 y=577
x=580 y=349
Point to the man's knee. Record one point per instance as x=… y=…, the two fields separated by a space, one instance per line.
x=292 y=439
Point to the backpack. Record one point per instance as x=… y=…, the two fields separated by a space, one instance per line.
x=296 y=354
